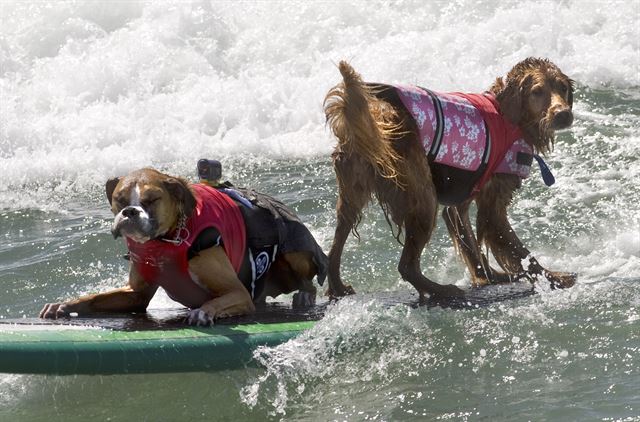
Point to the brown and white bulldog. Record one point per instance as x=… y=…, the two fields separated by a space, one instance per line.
x=209 y=251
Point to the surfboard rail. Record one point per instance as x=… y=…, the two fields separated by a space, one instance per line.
x=39 y=349
x=158 y=341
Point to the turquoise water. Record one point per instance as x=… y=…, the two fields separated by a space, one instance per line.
x=90 y=90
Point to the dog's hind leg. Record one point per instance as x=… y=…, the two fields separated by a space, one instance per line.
x=303 y=269
x=464 y=239
x=305 y=296
x=336 y=287
x=354 y=191
x=290 y=272
x=415 y=207
x=418 y=229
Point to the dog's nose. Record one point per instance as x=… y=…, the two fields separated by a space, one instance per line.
x=131 y=212
x=563 y=119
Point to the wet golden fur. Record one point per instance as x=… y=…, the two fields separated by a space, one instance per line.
x=379 y=154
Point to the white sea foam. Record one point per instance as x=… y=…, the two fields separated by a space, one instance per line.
x=90 y=90
x=93 y=89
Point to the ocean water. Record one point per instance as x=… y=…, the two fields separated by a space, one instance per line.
x=91 y=90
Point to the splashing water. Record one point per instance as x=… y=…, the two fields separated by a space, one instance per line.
x=89 y=90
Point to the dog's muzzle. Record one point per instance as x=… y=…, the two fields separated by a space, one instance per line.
x=134 y=223
x=562 y=119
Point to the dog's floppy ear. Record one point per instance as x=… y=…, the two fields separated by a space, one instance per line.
x=510 y=99
x=571 y=87
x=110 y=186
x=181 y=192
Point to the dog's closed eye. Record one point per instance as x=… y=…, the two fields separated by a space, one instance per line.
x=537 y=91
x=119 y=203
x=146 y=203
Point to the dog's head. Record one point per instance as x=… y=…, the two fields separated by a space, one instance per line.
x=538 y=97
x=148 y=204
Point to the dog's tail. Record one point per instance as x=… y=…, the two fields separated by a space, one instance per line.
x=363 y=124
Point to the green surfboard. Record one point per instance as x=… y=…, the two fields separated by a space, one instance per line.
x=154 y=342
x=158 y=341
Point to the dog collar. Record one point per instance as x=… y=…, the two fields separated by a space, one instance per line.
x=178 y=238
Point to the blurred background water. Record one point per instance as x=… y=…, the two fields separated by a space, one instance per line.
x=91 y=90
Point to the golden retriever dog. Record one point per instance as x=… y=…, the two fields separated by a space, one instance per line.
x=413 y=149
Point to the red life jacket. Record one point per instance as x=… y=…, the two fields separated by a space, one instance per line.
x=166 y=263
x=466 y=132
x=503 y=133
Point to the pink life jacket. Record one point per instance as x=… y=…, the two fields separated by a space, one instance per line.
x=166 y=263
x=466 y=131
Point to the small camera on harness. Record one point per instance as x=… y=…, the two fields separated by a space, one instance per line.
x=210 y=171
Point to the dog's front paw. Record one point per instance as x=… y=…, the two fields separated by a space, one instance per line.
x=561 y=280
x=303 y=299
x=200 y=317
x=56 y=310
